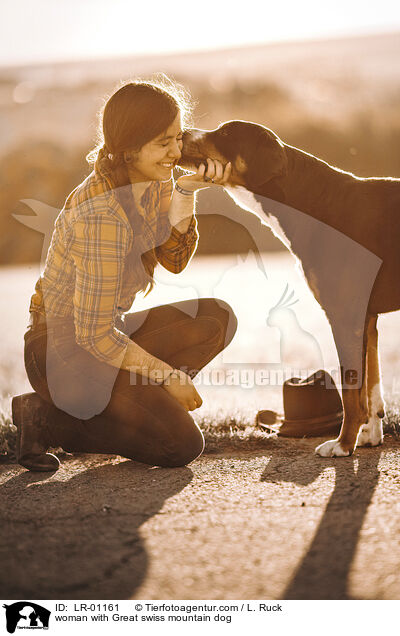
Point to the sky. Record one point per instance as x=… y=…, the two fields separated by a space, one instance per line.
x=35 y=31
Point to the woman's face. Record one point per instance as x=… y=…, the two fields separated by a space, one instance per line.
x=156 y=159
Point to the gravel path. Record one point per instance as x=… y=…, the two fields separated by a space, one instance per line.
x=274 y=524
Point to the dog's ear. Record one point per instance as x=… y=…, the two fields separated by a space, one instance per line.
x=267 y=160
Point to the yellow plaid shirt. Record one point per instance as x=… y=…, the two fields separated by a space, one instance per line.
x=85 y=276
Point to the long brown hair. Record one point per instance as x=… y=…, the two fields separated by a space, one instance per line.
x=137 y=112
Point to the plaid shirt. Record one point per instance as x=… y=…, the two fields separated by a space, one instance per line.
x=85 y=275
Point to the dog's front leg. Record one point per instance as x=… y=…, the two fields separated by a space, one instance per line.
x=371 y=434
x=351 y=347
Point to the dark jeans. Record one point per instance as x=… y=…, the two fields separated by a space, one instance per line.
x=96 y=408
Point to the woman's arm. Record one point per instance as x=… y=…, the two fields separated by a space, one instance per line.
x=182 y=208
x=178 y=235
x=99 y=246
x=175 y=253
x=176 y=382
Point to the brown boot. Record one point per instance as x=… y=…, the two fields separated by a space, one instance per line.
x=29 y=413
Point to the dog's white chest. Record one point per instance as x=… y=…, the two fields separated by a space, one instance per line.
x=246 y=200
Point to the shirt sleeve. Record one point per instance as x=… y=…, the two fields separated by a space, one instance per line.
x=175 y=248
x=98 y=248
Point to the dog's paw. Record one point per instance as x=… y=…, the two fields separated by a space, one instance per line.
x=332 y=448
x=371 y=434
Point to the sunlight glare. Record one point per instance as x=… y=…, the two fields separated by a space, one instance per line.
x=53 y=31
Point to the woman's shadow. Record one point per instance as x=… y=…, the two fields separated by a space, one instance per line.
x=80 y=538
x=323 y=572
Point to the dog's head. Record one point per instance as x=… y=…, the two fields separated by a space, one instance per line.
x=256 y=153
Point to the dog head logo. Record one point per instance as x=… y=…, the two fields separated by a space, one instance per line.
x=26 y=615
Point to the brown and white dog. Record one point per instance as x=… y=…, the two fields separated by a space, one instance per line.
x=345 y=232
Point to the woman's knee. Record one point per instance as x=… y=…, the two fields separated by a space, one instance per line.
x=188 y=445
x=221 y=311
x=155 y=428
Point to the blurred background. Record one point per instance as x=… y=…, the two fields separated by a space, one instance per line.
x=324 y=76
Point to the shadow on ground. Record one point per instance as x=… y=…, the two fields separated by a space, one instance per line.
x=79 y=537
x=323 y=572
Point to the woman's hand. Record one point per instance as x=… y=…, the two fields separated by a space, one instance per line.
x=212 y=174
x=179 y=384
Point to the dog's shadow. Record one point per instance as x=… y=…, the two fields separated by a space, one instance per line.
x=324 y=570
x=80 y=538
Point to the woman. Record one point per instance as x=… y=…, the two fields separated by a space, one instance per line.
x=108 y=381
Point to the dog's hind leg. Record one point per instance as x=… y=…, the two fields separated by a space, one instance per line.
x=351 y=345
x=371 y=434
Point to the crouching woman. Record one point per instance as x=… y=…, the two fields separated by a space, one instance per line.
x=107 y=380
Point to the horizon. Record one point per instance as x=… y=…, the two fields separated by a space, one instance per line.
x=193 y=51
x=216 y=49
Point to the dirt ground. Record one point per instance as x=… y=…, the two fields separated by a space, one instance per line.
x=279 y=523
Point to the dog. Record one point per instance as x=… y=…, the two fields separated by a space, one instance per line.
x=344 y=231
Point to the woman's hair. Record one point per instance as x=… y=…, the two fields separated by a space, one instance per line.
x=137 y=112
